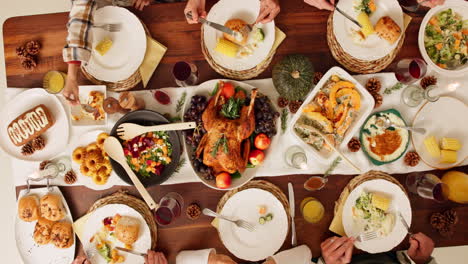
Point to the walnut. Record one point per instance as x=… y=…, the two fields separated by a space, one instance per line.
x=412 y=158
x=428 y=81
x=282 y=102
x=32 y=47
x=294 y=106
x=70 y=177
x=193 y=211
x=317 y=77
x=354 y=145
x=27 y=149
x=44 y=164
x=378 y=99
x=373 y=85
x=38 y=143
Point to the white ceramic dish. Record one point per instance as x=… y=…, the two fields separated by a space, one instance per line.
x=59 y=131
x=94 y=223
x=248 y=11
x=267 y=239
x=76 y=110
x=367 y=105
x=441 y=119
x=32 y=253
x=128 y=47
x=373 y=47
x=399 y=203
x=459 y=7
x=205 y=89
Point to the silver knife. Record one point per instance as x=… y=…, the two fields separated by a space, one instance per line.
x=292 y=211
x=130 y=251
x=216 y=26
x=347 y=16
x=405 y=223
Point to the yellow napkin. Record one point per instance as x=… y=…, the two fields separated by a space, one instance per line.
x=215 y=223
x=154 y=53
x=79 y=224
x=406 y=20
x=336 y=225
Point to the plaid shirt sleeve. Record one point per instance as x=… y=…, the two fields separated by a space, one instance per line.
x=79 y=39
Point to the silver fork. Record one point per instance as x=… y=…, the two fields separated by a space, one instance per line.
x=366 y=236
x=240 y=223
x=110 y=27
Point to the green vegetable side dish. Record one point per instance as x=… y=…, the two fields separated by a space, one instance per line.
x=446 y=39
x=258 y=35
x=264 y=219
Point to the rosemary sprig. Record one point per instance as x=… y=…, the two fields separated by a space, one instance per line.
x=180 y=102
x=180 y=165
x=332 y=167
x=397 y=86
x=222 y=141
x=284 y=120
x=231 y=109
x=215 y=90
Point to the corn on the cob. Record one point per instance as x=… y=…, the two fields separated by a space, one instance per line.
x=104 y=46
x=448 y=156
x=227 y=47
x=450 y=144
x=432 y=147
x=367 y=27
x=380 y=201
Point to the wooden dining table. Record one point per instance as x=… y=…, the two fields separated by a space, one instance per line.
x=305 y=28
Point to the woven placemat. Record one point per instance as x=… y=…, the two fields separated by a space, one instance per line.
x=354 y=64
x=121 y=197
x=260 y=184
x=232 y=74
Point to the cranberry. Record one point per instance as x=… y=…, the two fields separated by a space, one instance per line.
x=162 y=97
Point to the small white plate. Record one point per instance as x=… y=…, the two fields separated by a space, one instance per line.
x=443 y=118
x=32 y=253
x=267 y=239
x=75 y=110
x=400 y=203
x=373 y=47
x=248 y=11
x=59 y=131
x=128 y=47
x=94 y=224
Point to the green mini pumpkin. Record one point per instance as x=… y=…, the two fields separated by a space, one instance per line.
x=293 y=77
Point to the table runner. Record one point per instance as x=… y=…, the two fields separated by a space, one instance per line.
x=274 y=164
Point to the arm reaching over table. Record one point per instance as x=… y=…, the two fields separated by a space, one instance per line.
x=269 y=9
x=420 y=250
x=155 y=258
x=196 y=8
x=431 y=3
x=322 y=4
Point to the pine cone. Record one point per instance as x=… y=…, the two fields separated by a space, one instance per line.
x=438 y=221
x=378 y=99
x=29 y=62
x=412 y=158
x=283 y=102
x=447 y=231
x=21 y=52
x=354 y=145
x=373 y=85
x=70 y=177
x=451 y=216
x=317 y=77
x=193 y=211
x=27 y=149
x=294 y=106
x=428 y=81
x=43 y=164
x=32 y=47
x=38 y=143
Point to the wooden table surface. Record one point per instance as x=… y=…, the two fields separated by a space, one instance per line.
x=305 y=28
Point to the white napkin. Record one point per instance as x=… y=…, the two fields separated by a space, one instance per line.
x=297 y=255
x=194 y=256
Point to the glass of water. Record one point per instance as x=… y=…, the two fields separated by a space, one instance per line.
x=295 y=157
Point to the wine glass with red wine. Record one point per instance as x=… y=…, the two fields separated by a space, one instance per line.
x=170 y=208
x=427 y=186
x=409 y=70
x=185 y=73
x=413 y=6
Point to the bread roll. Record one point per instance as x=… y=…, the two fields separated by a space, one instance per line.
x=62 y=235
x=387 y=29
x=52 y=207
x=236 y=25
x=127 y=230
x=42 y=231
x=30 y=125
x=28 y=208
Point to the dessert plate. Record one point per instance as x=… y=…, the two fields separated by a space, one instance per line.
x=59 y=131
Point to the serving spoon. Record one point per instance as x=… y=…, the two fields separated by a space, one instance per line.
x=114 y=149
x=388 y=123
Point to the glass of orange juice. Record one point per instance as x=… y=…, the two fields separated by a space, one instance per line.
x=312 y=210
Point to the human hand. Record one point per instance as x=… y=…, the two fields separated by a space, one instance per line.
x=70 y=91
x=155 y=258
x=431 y=3
x=140 y=4
x=322 y=4
x=269 y=9
x=81 y=260
x=196 y=8
x=337 y=250
x=421 y=247
x=214 y=258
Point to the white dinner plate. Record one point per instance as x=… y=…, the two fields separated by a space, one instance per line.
x=267 y=239
x=82 y=141
x=444 y=118
x=59 y=131
x=373 y=47
x=32 y=253
x=94 y=224
x=399 y=203
x=248 y=11
x=128 y=45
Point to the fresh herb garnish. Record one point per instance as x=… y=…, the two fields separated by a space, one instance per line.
x=364 y=7
x=284 y=120
x=222 y=141
x=332 y=167
x=231 y=109
x=215 y=90
x=249 y=165
x=180 y=165
x=181 y=102
x=238 y=88
x=236 y=175
x=397 y=86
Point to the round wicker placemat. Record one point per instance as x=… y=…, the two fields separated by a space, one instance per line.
x=232 y=74
x=357 y=65
x=260 y=184
x=121 y=197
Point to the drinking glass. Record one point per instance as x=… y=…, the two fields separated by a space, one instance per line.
x=413 y=95
x=295 y=157
x=427 y=186
x=170 y=207
x=312 y=210
x=185 y=73
x=409 y=70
